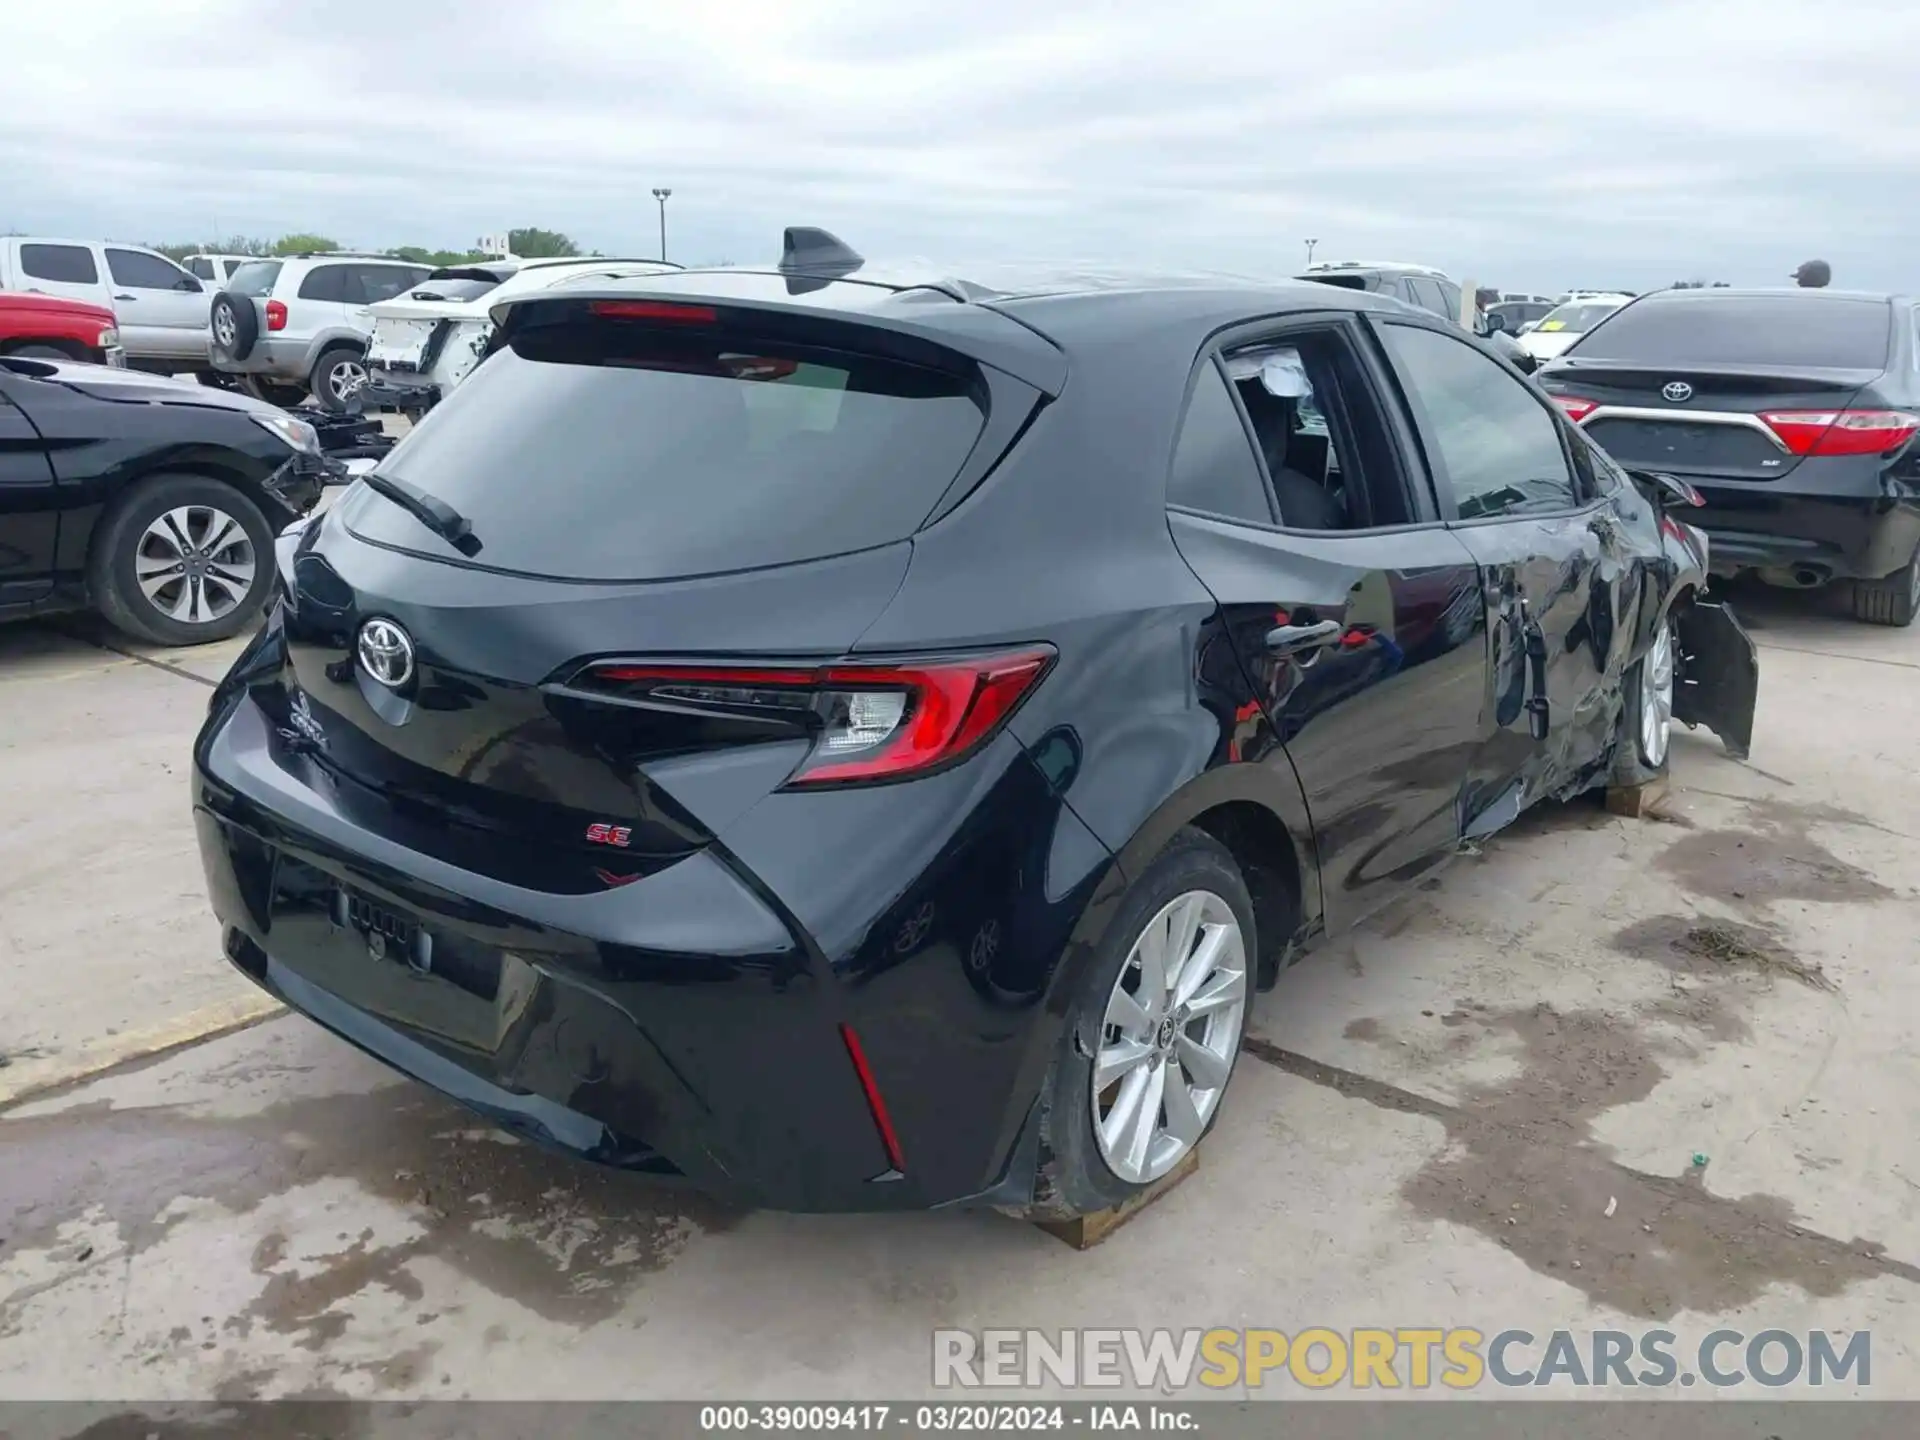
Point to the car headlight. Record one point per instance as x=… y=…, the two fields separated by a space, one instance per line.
x=299 y=435
x=109 y=338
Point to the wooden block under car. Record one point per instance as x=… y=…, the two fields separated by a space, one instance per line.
x=1636 y=802
x=1085 y=1231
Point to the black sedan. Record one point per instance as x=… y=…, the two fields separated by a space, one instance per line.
x=856 y=742
x=152 y=500
x=1794 y=413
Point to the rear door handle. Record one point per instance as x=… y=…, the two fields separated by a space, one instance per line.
x=1286 y=639
x=126 y=297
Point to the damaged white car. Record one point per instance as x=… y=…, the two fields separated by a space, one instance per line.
x=426 y=339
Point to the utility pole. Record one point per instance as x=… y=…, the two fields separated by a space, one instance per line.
x=1310 y=245
x=661 y=196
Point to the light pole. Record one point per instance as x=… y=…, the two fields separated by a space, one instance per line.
x=1310 y=245
x=661 y=196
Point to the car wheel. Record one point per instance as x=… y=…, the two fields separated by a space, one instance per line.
x=1892 y=601
x=1154 y=1032
x=273 y=391
x=182 y=560
x=338 y=377
x=38 y=352
x=1646 y=711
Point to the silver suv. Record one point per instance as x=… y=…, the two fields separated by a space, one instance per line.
x=299 y=323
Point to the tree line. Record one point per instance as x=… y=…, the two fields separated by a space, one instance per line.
x=530 y=243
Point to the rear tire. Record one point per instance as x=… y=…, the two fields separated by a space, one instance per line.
x=1644 y=740
x=1155 y=1050
x=181 y=560
x=337 y=377
x=42 y=352
x=1891 y=601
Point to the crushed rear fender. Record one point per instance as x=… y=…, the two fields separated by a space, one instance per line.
x=1719 y=679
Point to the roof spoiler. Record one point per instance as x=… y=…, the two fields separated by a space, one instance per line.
x=805 y=250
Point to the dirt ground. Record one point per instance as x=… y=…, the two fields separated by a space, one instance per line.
x=1603 y=1073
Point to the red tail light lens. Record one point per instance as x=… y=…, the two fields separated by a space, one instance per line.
x=654 y=310
x=1574 y=408
x=871 y=722
x=276 y=315
x=1841 y=432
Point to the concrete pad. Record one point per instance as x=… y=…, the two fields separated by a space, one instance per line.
x=110 y=948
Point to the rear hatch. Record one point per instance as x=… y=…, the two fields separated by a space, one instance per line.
x=411 y=330
x=254 y=281
x=677 y=515
x=1740 y=387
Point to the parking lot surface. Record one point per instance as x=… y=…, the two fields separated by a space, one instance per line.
x=1602 y=1073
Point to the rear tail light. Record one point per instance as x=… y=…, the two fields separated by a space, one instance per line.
x=109 y=338
x=869 y=722
x=655 y=310
x=276 y=315
x=1575 y=408
x=1841 y=432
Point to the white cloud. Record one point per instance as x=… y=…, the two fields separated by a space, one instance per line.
x=1536 y=145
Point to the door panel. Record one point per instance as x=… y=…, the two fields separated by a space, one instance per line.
x=1552 y=590
x=1368 y=651
x=156 y=316
x=29 y=517
x=1554 y=565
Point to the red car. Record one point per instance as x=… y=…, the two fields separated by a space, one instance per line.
x=51 y=327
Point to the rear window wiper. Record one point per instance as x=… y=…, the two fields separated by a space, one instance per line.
x=431 y=511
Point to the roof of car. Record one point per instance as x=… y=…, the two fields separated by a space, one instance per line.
x=1723 y=292
x=1398 y=266
x=1025 y=329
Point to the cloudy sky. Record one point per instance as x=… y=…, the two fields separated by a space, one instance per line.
x=1631 y=142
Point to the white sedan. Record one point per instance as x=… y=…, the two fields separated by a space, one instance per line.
x=426 y=339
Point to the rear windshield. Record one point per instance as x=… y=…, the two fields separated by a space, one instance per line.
x=616 y=449
x=255 y=278
x=1828 y=332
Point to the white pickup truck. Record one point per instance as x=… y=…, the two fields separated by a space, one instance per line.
x=427 y=338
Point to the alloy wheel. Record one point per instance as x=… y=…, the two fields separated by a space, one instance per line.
x=345 y=378
x=1169 y=1036
x=1656 y=699
x=224 y=329
x=195 y=564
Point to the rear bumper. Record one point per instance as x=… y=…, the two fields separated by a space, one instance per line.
x=399 y=390
x=1831 y=537
x=686 y=1025
x=287 y=360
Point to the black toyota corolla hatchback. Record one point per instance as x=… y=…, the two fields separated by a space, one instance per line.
x=856 y=743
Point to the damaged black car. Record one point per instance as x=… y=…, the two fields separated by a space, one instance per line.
x=878 y=763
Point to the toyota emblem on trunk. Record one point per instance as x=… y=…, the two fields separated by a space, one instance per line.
x=386 y=652
x=1678 y=391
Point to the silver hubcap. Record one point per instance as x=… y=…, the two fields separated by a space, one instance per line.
x=195 y=564
x=346 y=377
x=224 y=329
x=1656 y=699
x=1168 y=1039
